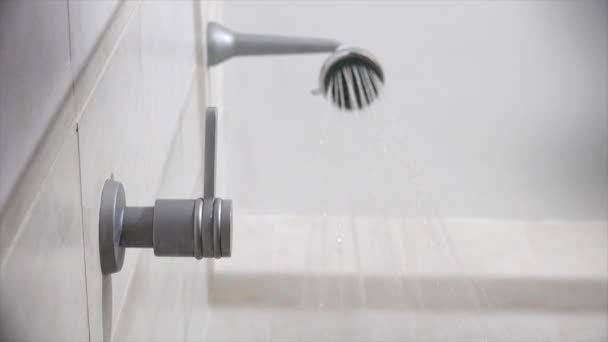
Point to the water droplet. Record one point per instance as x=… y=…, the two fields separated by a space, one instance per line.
x=385 y=149
x=325 y=214
x=321 y=141
x=339 y=240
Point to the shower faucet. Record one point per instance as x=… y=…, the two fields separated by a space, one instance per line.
x=351 y=77
x=200 y=227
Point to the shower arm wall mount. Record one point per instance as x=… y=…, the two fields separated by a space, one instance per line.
x=223 y=43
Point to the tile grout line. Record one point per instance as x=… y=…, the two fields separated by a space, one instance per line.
x=106 y=63
x=48 y=165
x=73 y=121
x=131 y=275
x=78 y=116
x=82 y=225
x=4 y=256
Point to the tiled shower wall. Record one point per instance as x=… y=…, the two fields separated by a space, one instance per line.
x=89 y=90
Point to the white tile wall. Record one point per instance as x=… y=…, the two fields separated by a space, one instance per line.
x=137 y=99
x=43 y=288
x=95 y=27
x=135 y=115
x=108 y=135
x=89 y=26
x=36 y=108
x=43 y=291
x=167 y=299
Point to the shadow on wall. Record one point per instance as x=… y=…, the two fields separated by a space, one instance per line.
x=424 y=293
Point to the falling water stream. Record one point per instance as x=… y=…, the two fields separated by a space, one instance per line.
x=376 y=261
x=331 y=232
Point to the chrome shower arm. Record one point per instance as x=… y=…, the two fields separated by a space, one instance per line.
x=222 y=43
x=258 y=44
x=351 y=77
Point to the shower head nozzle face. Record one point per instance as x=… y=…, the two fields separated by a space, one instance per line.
x=352 y=78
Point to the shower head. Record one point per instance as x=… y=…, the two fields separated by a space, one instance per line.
x=351 y=77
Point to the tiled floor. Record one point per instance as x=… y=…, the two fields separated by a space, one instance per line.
x=356 y=278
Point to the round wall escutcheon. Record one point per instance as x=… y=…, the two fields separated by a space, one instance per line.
x=111 y=215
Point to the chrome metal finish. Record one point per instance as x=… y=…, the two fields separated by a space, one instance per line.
x=137 y=224
x=198 y=229
x=225 y=224
x=217 y=211
x=210 y=151
x=351 y=77
x=111 y=213
x=173 y=222
x=223 y=43
x=173 y=227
